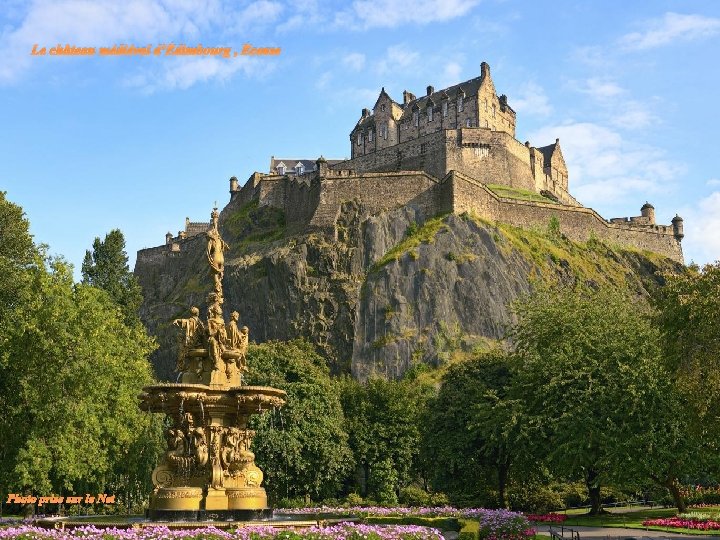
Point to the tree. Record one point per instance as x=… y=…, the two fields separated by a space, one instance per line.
x=18 y=255
x=383 y=422
x=106 y=267
x=688 y=314
x=70 y=385
x=591 y=381
x=471 y=432
x=302 y=447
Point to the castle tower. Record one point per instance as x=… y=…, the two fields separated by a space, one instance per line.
x=648 y=211
x=677 y=223
x=233 y=185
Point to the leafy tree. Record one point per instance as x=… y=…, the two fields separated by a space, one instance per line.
x=591 y=381
x=472 y=432
x=70 y=385
x=17 y=255
x=302 y=447
x=106 y=267
x=383 y=423
x=688 y=314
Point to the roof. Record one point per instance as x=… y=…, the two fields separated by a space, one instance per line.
x=291 y=163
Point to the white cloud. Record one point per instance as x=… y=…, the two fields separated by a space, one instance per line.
x=531 y=99
x=451 y=74
x=713 y=182
x=672 y=27
x=601 y=89
x=397 y=58
x=184 y=72
x=604 y=167
x=393 y=13
x=354 y=61
x=629 y=114
x=701 y=224
x=259 y=13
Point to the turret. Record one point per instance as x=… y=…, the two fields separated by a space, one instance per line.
x=233 y=185
x=648 y=211
x=322 y=167
x=168 y=238
x=677 y=223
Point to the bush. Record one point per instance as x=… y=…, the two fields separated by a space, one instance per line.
x=414 y=496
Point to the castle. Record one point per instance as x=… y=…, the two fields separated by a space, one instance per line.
x=451 y=150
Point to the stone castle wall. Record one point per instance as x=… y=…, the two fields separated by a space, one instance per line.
x=577 y=223
x=376 y=192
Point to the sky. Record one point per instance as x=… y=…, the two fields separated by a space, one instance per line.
x=89 y=143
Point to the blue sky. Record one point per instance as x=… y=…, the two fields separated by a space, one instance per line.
x=90 y=143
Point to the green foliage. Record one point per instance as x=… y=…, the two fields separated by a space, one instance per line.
x=414 y=236
x=383 y=482
x=70 y=389
x=688 y=314
x=470 y=431
x=383 y=422
x=553 y=229
x=70 y=372
x=255 y=224
x=591 y=383
x=303 y=447
x=106 y=267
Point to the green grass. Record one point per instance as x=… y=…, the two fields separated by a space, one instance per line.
x=517 y=193
x=629 y=520
x=414 y=237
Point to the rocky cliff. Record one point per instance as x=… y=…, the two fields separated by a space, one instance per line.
x=382 y=293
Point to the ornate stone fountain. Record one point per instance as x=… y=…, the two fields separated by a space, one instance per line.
x=208 y=470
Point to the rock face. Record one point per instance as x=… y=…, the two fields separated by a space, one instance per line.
x=383 y=293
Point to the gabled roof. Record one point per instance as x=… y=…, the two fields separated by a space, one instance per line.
x=550 y=151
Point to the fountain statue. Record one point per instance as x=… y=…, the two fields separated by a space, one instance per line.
x=208 y=469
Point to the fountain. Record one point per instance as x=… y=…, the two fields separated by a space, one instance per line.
x=208 y=471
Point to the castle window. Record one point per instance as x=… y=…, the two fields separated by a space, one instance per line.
x=359 y=138
x=385 y=132
x=445 y=108
x=281 y=169
x=416 y=119
x=299 y=169
x=370 y=135
x=430 y=114
x=460 y=104
x=493 y=110
x=382 y=107
x=486 y=109
x=423 y=149
x=468 y=123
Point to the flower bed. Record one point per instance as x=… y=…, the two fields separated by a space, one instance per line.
x=493 y=524
x=343 y=531
x=681 y=523
x=547 y=518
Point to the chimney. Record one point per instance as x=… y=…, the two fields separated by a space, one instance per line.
x=406 y=97
x=484 y=70
x=365 y=112
x=430 y=90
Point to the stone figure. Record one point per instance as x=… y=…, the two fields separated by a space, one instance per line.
x=216 y=337
x=216 y=247
x=243 y=348
x=192 y=336
x=233 y=332
x=200 y=446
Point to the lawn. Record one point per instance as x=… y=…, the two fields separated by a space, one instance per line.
x=632 y=519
